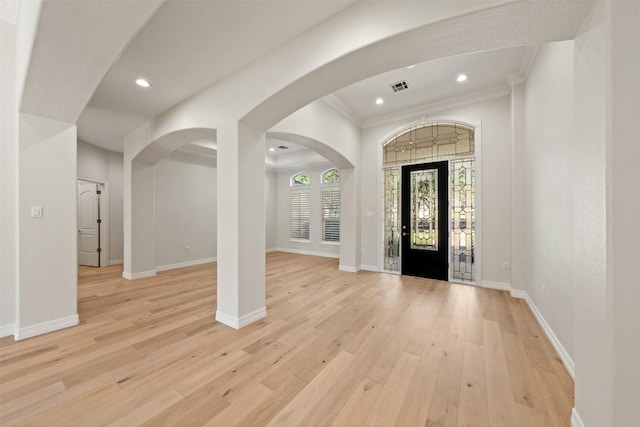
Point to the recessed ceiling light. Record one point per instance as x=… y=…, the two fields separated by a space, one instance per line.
x=410 y=66
x=379 y=101
x=143 y=83
x=272 y=149
x=461 y=77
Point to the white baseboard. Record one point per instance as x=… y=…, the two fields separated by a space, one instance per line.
x=366 y=267
x=7 y=330
x=239 y=322
x=185 y=264
x=303 y=252
x=555 y=342
x=116 y=261
x=496 y=285
x=45 y=327
x=141 y=275
x=271 y=250
x=576 y=421
x=348 y=268
x=516 y=293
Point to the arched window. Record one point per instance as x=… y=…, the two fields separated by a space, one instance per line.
x=429 y=141
x=300 y=179
x=330 y=176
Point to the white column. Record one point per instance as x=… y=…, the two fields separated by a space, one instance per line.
x=623 y=206
x=241 y=225
x=138 y=208
x=8 y=179
x=47 y=216
x=607 y=295
x=349 y=221
x=139 y=221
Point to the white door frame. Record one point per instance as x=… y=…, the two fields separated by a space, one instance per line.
x=477 y=124
x=104 y=216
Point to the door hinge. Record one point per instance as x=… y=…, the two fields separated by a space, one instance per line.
x=99 y=250
x=99 y=221
x=98 y=192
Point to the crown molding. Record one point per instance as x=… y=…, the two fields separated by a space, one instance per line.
x=337 y=104
x=483 y=95
x=527 y=60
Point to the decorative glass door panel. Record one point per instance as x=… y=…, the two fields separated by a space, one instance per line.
x=424 y=230
x=424 y=209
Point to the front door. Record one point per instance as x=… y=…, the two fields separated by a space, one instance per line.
x=425 y=235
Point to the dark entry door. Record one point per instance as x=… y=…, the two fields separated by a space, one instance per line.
x=425 y=235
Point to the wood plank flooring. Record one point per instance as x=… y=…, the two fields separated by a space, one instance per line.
x=336 y=349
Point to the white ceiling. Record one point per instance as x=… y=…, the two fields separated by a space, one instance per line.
x=185 y=47
x=434 y=81
x=189 y=45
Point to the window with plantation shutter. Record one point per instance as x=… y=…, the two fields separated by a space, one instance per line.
x=300 y=213
x=331 y=215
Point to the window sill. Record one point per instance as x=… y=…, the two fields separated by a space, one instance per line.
x=330 y=243
x=300 y=240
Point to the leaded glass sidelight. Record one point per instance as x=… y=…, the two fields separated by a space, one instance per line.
x=428 y=142
x=424 y=209
x=463 y=219
x=392 y=219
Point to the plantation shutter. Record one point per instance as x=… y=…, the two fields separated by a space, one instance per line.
x=331 y=215
x=300 y=213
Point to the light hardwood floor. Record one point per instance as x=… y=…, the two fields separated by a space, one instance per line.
x=336 y=348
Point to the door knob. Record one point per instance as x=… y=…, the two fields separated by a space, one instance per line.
x=404 y=234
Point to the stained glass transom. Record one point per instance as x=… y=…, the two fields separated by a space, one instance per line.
x=424 y=209
x=332 y=175
x=426 y=142
x=463 y=219
x=301 y=179
x=392 y=219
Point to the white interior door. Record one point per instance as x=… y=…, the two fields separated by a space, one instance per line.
x=88 y=237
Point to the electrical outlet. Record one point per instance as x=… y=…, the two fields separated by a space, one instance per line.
x=187 y=249
x=505 y=265
x=36 y=211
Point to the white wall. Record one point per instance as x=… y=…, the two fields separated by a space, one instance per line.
x=496 y=183
x=315 y=245
x=551 y=199
x=271 y=210
x=8 y=180
x=106 y=166
x=185 y=206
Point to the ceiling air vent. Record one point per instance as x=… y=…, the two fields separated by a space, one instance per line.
x=399 y=86
x=282 y=147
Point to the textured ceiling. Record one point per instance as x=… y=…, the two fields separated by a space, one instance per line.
x=65 y=63
x=433 y=81
x=189 y=45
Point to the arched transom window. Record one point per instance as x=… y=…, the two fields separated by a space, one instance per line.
x=300 y=179
x=330 y=176
x=429 y=141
